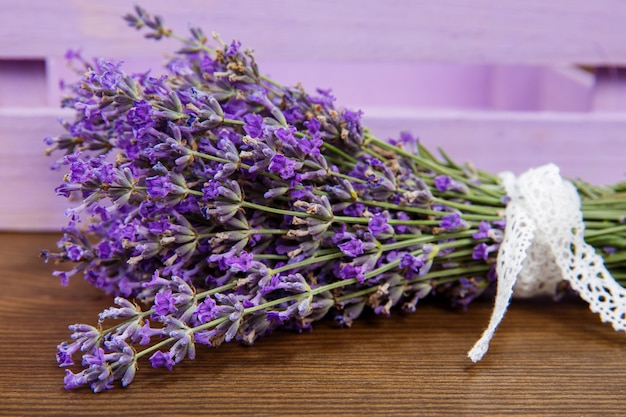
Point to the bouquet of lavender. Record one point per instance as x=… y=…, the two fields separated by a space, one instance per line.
x=218 y=205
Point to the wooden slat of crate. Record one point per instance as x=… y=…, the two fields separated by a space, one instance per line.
x=27 y=185
x=589 y=146
x=494 y=31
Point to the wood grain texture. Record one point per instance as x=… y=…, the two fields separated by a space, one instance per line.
x=546 y=359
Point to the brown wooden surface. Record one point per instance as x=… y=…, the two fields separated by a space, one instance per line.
x=546 y=359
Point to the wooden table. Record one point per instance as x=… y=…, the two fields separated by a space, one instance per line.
x=546 y=359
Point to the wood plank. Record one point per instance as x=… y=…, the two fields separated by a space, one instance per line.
x=590 y=146
x=547 y=359
x=558 y=32
x=26 y=182
x=405 y=84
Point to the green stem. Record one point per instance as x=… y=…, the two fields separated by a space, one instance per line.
x=271 y=81
x=605 y=231
x=234 y=122
x=431 y=276
x=490 y=211
x=271 y=257
x=347 y=177
x=246 y=231
x=279 y=211
x=410 y=209
x=209 y=157
x=192 y=43
x=454 y=272
x=433 y=166
x=309 y=261
x=365 y=220
x=619 y=216
x=339 y=152
x=485 y=200
x=615 y=258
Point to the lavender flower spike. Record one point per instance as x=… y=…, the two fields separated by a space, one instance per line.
x=217 y=205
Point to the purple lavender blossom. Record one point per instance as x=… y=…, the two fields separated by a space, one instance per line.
x=483 y=230
x=235 y=206
x=254 y=125
x=158 y=186
x=162 y=360
x=411 y=262
x=352 y=248
x=98 y=374
x=443 y=182
x=407 y=139
x=140 y=115
x=310 y=146
x=164 y=303
x=206 y=310
x=241 y=262
x=354 y=210
x=110 y=75
x=378 y=225
x=451 y=222
x=482 y=251
x=349 y=271
x=75 y=253
x=210 y=190
x=125 y=310
x=282 y=165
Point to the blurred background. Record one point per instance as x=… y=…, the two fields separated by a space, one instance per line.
x=505 y=84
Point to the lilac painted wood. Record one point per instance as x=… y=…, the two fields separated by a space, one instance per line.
x=610 y=90
x=416 y=85
x=26 y=184
x=23 y=83
x=591 y=147
x=482 y=31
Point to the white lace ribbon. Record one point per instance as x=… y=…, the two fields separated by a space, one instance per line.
x=544 y=244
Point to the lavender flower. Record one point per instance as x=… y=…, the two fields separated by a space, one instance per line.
x=352 y=248
x=452 y=222
x=235 y=206
x=162 y=360
x=164 y=303
x=379 y=227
